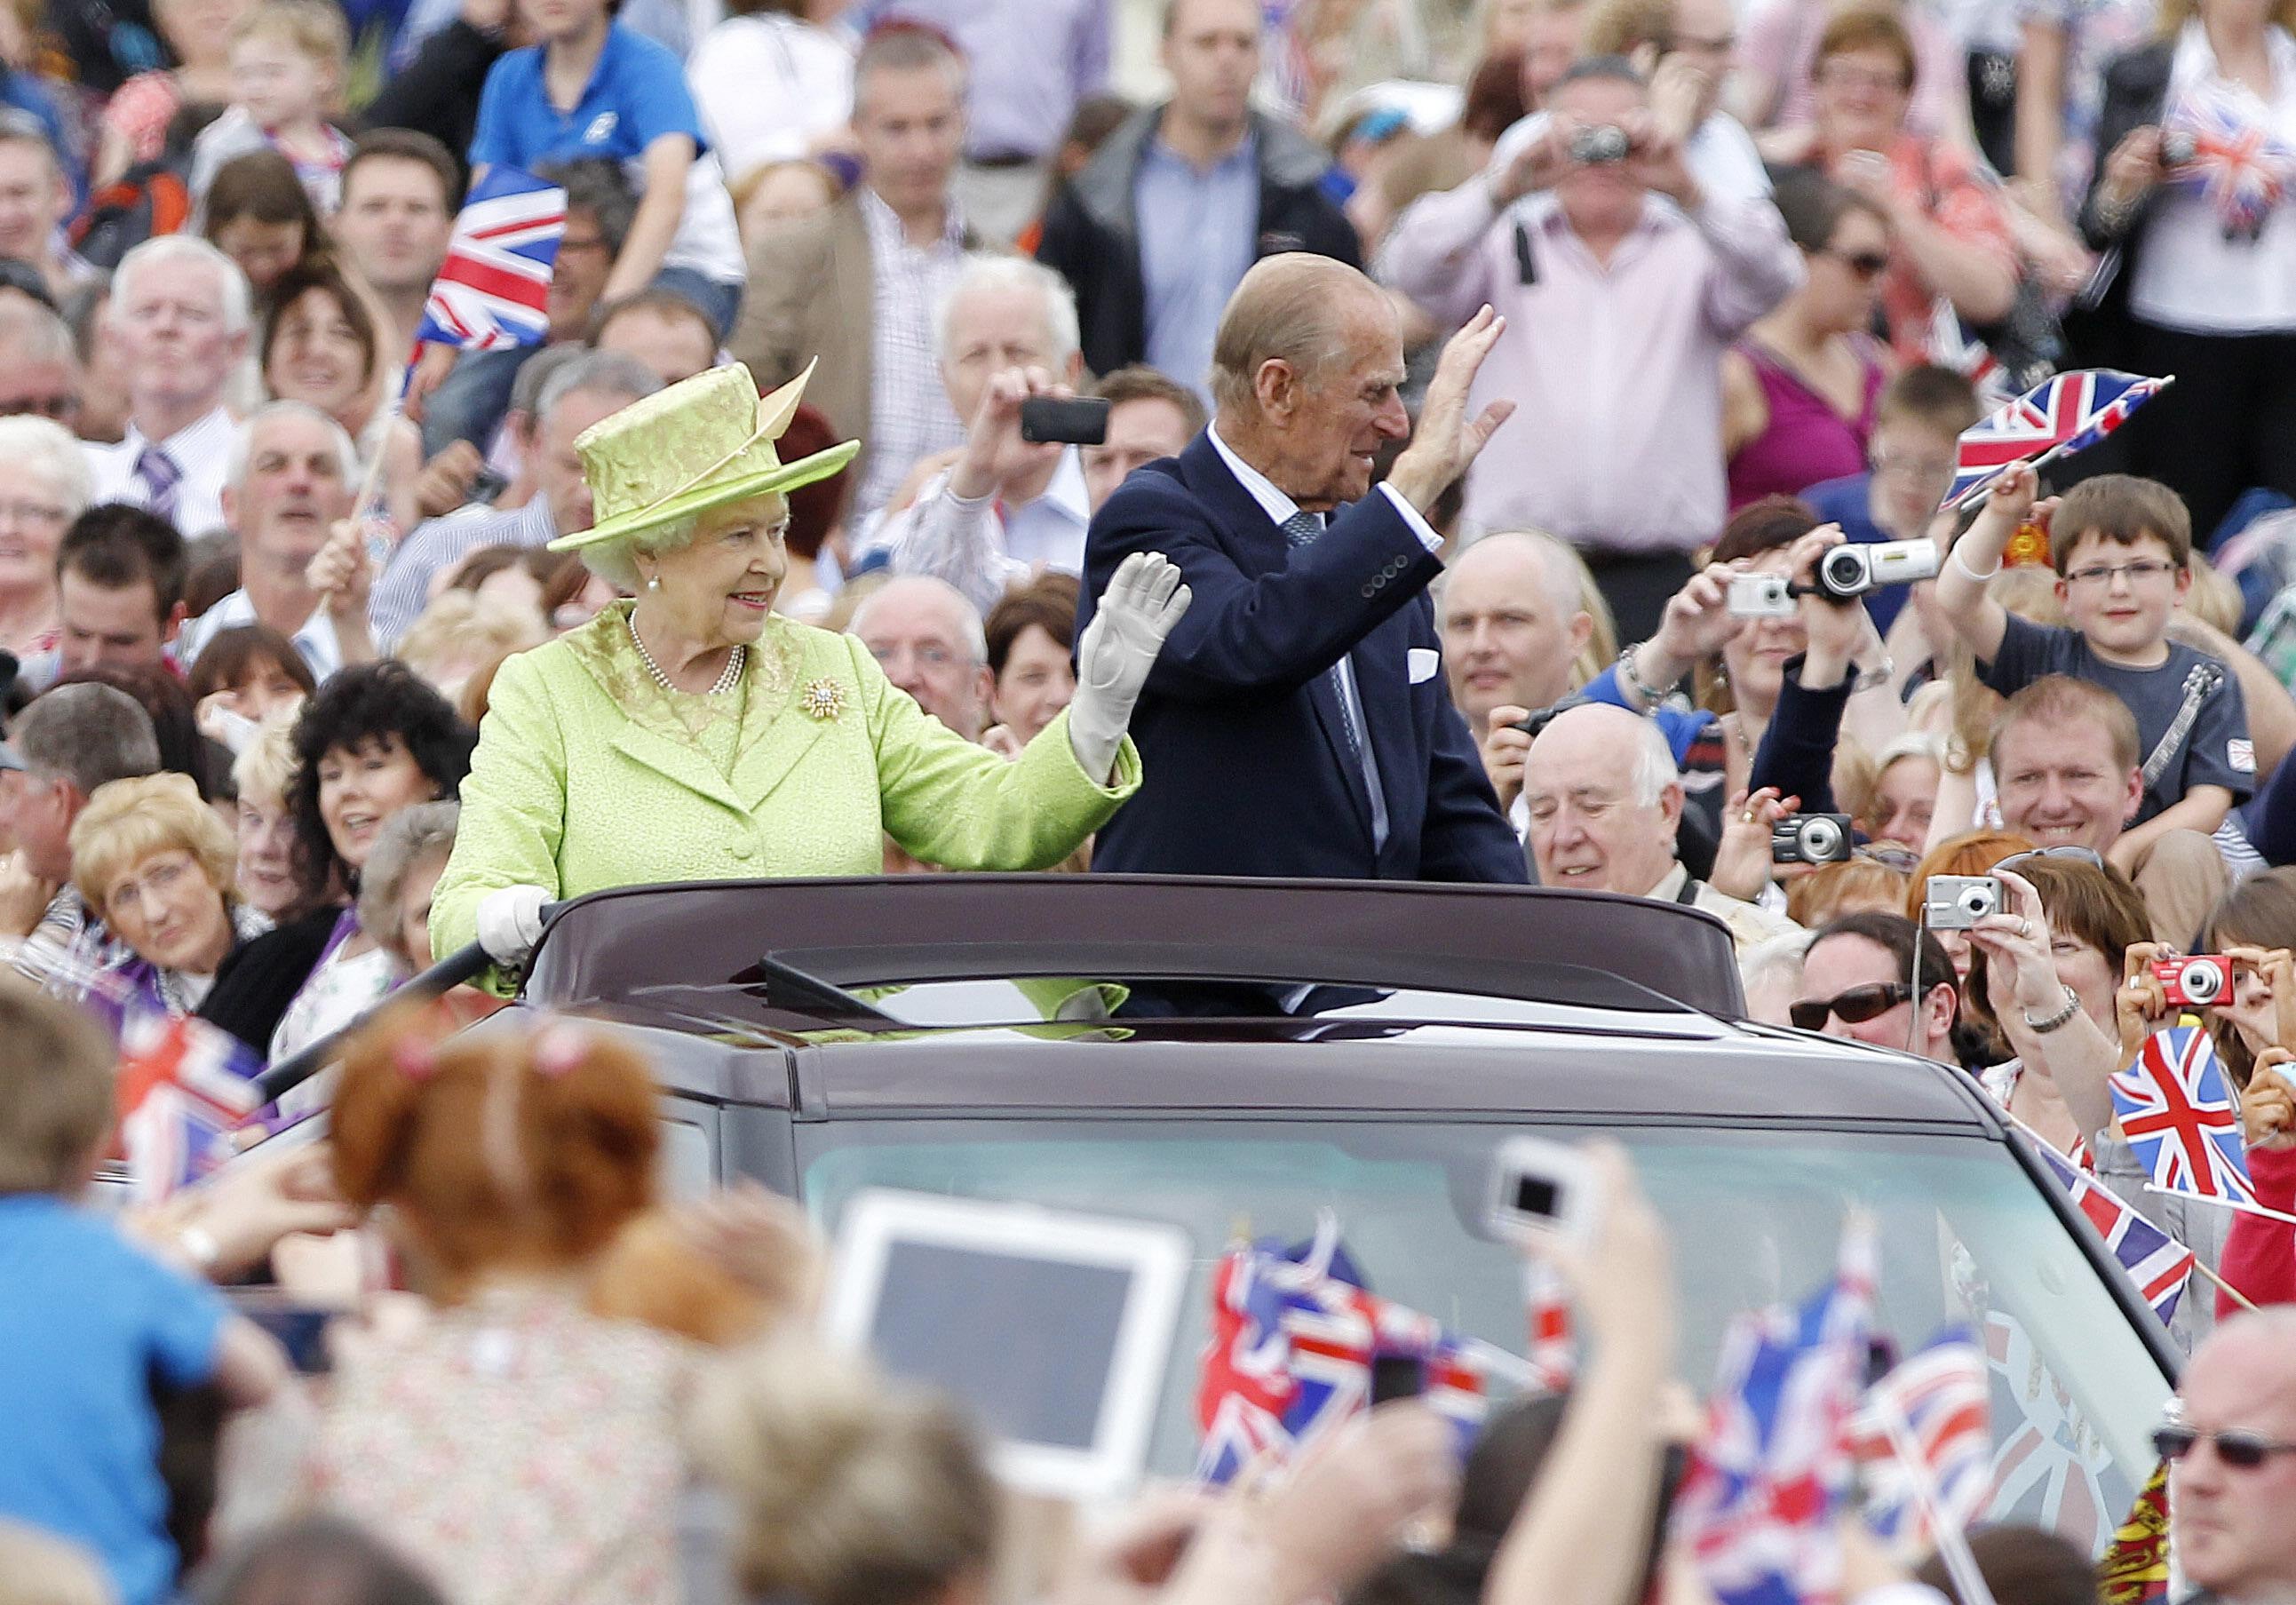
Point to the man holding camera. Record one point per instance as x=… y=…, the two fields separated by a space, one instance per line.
x=1623 y=283
x=1297 y=722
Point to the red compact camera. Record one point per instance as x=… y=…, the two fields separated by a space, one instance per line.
x=2199 y=980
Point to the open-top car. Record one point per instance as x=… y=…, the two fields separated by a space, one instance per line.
x=1237 y=1057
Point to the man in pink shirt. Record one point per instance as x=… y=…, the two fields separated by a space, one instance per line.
x=1622 y=284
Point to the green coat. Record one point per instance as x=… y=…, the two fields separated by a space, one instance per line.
x=587 y=776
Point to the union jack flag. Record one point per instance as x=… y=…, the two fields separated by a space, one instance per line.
x=1924 y=1441
x=2176 y=1109
x=493 y=290
x=2047 y=1471
x=1295 y=1337
x=2233 y=162
x=182 y=1085
x=2157 y=1263
x=1772 y=1468
x=2068 y=413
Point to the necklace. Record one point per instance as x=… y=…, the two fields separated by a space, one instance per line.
x=725 y=682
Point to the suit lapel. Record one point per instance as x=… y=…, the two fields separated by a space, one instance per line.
x=1259 y=547
x=684 y=763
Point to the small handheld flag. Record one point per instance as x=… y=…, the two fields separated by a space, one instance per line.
x=2175 y=1109
x=182 y=1085
x=2068 y=413
x=2157 y=1263
x=2215 y=145
x=493 y=291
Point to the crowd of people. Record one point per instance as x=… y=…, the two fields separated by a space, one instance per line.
x=1481 y=391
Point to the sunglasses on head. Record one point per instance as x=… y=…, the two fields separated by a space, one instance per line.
x=1856 y=1006
x=2244 y=1451
x=2089 y=855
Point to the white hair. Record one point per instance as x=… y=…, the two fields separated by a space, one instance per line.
x=967 y=616
x=33 y=442
x=242 y=444
x=168 y=250
x=983 y=272
x=1654 y=767
x=30 y=332
x=1779 y=956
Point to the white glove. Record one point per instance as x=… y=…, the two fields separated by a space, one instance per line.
x=1139 y=608
x=510 y=922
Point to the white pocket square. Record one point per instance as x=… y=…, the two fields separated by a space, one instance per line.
x=1423 y=662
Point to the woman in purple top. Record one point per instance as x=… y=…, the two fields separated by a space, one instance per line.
x=1799 y=390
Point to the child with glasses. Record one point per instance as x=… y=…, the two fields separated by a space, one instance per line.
x=2122 y=549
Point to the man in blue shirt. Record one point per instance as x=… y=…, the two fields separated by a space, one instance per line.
x=1158 y=230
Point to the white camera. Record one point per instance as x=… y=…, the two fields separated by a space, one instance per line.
x=1853 y=570
x=1760 y=596
x=1958 y=902
x=1542 y=1189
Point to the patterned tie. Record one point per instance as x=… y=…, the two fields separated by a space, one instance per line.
x=1301 y=529
x=161 y=477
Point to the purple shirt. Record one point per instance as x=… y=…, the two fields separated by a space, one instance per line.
x=1806 y=441
x=1031 y=61
x=1615 y=369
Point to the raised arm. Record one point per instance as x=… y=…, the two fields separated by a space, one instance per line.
x=1963 y=603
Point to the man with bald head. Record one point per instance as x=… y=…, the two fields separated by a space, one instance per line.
x=929 y=642
x=1514 y=621
x=1298 y=721
x=1605 y=798
x=2230 y=1440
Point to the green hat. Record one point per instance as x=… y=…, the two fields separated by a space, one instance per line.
x=702 y=442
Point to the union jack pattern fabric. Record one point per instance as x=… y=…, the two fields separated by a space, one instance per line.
x=182 y=1085
x=1772 y=1468
x=2157 y=1263
x=1935 y=1405
x=2235 y=164
x=2047 y=1471
x=2069 y=414
x=1294 y=1336
x=493 y=291
x=2175 y=1109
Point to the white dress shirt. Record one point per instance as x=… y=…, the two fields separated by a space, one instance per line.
x=981 y=547
x=316 y=640
x=201 y=453
x=1280 y=510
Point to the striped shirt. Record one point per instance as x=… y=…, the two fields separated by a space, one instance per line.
x=909 y=414
x=437 y=547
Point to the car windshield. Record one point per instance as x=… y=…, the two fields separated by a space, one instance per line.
x=1756 y=1216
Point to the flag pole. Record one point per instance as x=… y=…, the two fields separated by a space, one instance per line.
x=1952 y=1544
x=382 y=437
x=2226 y=1287
x=2242 y=1205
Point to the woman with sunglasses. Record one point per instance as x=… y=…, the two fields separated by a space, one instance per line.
x=2046 y=974
x=1857 y=981
x=1799 y=389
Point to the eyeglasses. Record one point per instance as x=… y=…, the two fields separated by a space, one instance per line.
x=1840 y=75
x=1867 y=265
x=58 y=406
x=2141 y=572
x=2241 y=1450
x=31 y=513
x=1920 y=469
x=2071 y=855
x=1856 y=1006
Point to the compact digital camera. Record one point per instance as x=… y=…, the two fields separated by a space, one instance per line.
x=2177 y=148
x=1810 y=839
x=1603 y=143
x=2197 y=982
x=1854 y=569
x=1760 y=596
x=1958 y=902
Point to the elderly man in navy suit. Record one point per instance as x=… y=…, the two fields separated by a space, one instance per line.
x=1299 y=722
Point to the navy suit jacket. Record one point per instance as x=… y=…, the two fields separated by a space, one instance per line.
x=1245 y=765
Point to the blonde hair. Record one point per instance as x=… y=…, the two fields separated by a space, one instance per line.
x=1849 y=887
x=129 y=820
x=56 y=1089
x=458 y=631
x=847 y=1488
x=266 y=765
x=313 y=27
x=2214 y=600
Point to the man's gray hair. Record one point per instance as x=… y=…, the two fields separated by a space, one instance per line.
x=30 y=332
x=960 y=606
x=409 y=837
x=89 y=733
x=908 y=49
x=984 y=273
x=243 y=443
x=1654 y=767
x=606 y=373
x=175 y=251
x=27 y=441
x=1293 y=308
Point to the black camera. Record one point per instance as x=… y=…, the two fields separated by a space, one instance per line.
x=1070 y=420
x=1598 y=146
x=1810 y=839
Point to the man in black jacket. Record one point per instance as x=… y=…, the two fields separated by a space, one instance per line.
x=1157 y=232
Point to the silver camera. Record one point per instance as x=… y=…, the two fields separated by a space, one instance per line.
x=1598 y=146
x=1810 y=839
x=2177 y=148
x=1760 y=596
x=1958 y=902
x=1853 y=570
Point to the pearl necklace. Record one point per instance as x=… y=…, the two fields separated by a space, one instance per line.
x=725 y=682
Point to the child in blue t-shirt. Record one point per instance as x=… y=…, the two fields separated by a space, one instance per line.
x=591 y=87
x=89 y=1323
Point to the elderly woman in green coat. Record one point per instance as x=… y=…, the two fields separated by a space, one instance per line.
x=695 y=734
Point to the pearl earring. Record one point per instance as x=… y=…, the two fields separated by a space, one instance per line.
x=654 y=582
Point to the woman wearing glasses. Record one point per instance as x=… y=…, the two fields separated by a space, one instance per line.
x=2046 y=974
x=1858 y=979
x=1799 y=389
